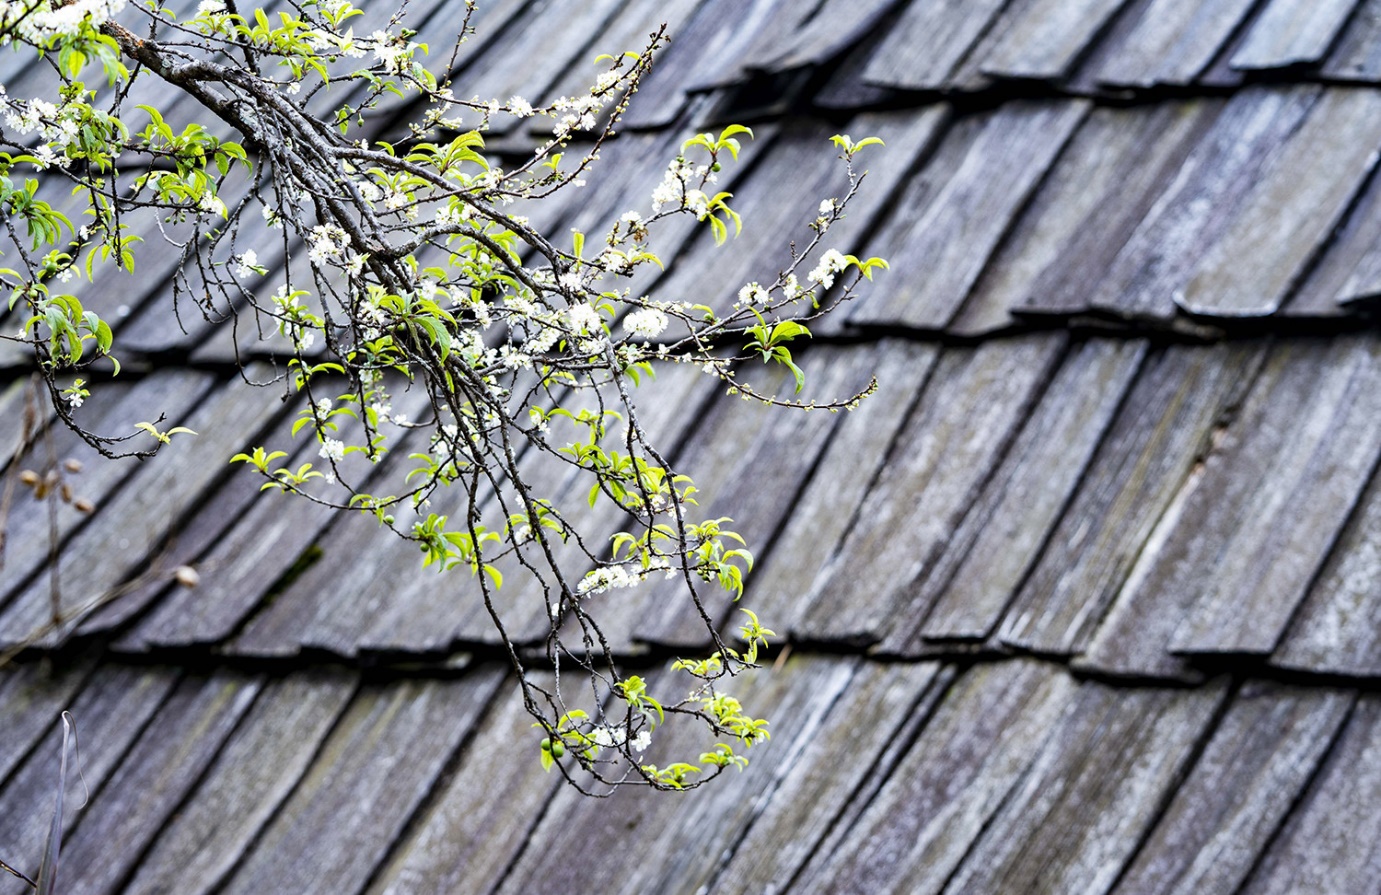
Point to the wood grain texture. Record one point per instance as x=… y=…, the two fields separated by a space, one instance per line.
x=751 y=465
x=1005 y=529
x=379 y=762
x=109 y=551
x=1166 y=424
x=954 y=213
x=682 y=840
x=1262 y=753
x=1165 y=42
x=34 y=694
x=973 y=407
x=470 y=835
x=1253 y=522
x=852 y=460
x=781 y=196
x=869 y=725
x=949 y=784
x=1331 y=842
x=27 y=543
x=1289 y=32
x=1105 y=183
x=1338 y=629
x=1356 y=55
x=1291 y=211
x=926 y=43
x=1094 y=788
x=1348 y=266
x=1201 y=203
x=162 y=767
x=1328 y=407
x=111 y=711
x=1042 y=39
x=244 y=786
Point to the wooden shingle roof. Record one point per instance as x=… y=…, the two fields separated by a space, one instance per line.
x=1087 y=598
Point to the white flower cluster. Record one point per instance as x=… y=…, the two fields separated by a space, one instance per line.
x=392 y=52
x=754 y=294
x=831 y=263
x=578 y=112
x=584 y=319
x=332 y=449
x=645 y=323
x=245 y=264
x=676 y=190
x=327 y=241
x=41 y=20
x=605 y=578
x=608 y=737
x=56 y=126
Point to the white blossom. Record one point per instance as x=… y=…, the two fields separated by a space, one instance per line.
x=830 y=263
x=245 y=264
x=332 y=449
x=645 y=323
x=583 y=319
x=754 y=294
x=603 y=579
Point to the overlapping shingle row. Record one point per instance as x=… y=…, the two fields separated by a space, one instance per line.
x=1085 y=598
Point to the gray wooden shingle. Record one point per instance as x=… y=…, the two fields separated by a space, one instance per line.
x=1107 y=179
x=1165 y=42
x=464 y=844
x=1338 y=629
x=994 y=547
x=380 y=761
x=1331 y=416
x=870 y=725
x=549 y=40
x=380 y=598
x=957 y=774
x=1356 y=55
x=1202 y=202
x=27 y=541
x=973 y=406
x=1165 y=425
x=821 y=517
x=110 y=713
x=1293 y=208
x=1041 y=38
x=781 y=196
x=162 y=766
x=244 y=786
x=682 y=840
x=1092 y=792
x=1332 y=840
x=927 y=41
x=98 y=558
x=752 y=463
x=629 y=29
x=831 y=28
x=34 y=694
x=1234 y=551
x=1289 y=32
x=719 y=31
x=1262 y=754
x=1348 y=265
x=954 y=212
